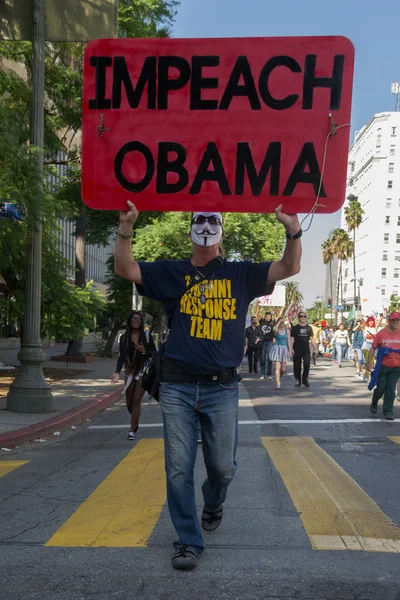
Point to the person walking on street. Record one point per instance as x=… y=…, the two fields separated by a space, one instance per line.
x=341 y=342
x=302 y=335
x=253 y=339
x=387 y=369
x=358 y=341
x=316 y=327
x=267 y=325
x=370 y=332
x=281 y=351
x=136 y=347
x=199 y=378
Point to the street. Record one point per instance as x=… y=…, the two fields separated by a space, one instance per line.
x=312 y=513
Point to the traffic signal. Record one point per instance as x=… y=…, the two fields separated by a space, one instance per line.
x=329 y=302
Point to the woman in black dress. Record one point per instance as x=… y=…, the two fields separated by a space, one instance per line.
x=136 y=347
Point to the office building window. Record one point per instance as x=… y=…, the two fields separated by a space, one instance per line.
x=397 y=238
x=396 y=273
x=386 y=238
x=346 y=273
x=390 y=185
x=392 y=150
x=397 y=255
x=383 y=274
x=391 y=167
x=398 y=221
x=388 y=204
x=385 y=255
x=387 y=220
x=394 y=131
x=345 y=288
x=383 y=291
x=361 y=282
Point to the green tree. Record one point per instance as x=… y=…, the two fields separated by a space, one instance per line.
x=354 y=217
x=318 y=309
x=293 y=293
x=119 y=304
x=328 y=255
x=342 y=247
x=394 y=303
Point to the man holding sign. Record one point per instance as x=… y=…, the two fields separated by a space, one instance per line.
x=199 y=379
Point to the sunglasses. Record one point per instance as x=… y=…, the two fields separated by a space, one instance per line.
x=302 y=316
x=136 y=319
x=200 y=220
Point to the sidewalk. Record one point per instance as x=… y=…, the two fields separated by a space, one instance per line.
x=86 y=391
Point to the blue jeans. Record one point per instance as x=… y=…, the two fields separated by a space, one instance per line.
x=340 y=352
x=183 y=405
x=265 y=350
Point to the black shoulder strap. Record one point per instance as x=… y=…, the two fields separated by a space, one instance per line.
x=206 y=271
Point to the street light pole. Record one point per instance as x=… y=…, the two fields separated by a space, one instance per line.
x=30 y=392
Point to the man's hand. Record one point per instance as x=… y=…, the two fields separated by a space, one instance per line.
x=290 y=222
x=127 y=218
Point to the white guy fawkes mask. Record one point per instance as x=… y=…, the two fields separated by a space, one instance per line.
x=206 y=229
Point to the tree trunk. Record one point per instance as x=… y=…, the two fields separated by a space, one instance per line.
x=354 y=271
x=75 y=346
x=110 y=341
x=341 y=283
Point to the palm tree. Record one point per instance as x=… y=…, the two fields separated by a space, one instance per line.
x=293 y=294
x=354 y=217
x=319 y=307
x=343 y=248
x=328 y=255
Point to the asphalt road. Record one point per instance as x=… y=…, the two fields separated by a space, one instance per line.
x=313 y=511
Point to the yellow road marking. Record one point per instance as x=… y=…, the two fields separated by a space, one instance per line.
x=124 y=509
x=6 y=466
x=395 y=438
x=336 y=513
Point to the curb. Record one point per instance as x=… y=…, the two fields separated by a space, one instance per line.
x=65 y=420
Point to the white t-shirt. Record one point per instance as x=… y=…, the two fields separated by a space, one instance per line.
x=341 y=337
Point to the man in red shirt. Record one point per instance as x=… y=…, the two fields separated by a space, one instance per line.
x=389 y=373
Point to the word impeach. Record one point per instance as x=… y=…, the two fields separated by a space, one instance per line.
x=206 y=123
x=207 y=317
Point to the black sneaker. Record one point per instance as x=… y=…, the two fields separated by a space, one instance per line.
x=389 y=417
x=373 y=408
x=211 y=519
x=305 y=382
x=297 y=384
x=184 y=558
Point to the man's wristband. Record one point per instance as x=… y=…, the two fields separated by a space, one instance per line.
x=125 y=236
x=294 y=236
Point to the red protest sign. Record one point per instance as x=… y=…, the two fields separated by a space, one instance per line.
x=228 y=124
x=292 y=311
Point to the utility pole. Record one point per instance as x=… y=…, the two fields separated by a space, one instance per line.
x=30 y=392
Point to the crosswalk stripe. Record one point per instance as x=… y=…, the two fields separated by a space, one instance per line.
x=7 y=466
x=336 y=513
x=123 y=510
x=395 y=438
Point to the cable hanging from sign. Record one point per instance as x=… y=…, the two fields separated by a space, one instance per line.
x=333 y=130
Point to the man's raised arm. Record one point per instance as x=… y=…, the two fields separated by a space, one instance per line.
x=124 y=264
x=289 y=264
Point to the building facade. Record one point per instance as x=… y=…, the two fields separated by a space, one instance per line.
x=374 y=178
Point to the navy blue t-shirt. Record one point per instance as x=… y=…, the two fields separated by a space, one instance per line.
x=209 y=337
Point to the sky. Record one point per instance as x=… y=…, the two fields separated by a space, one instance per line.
x=374 y=30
